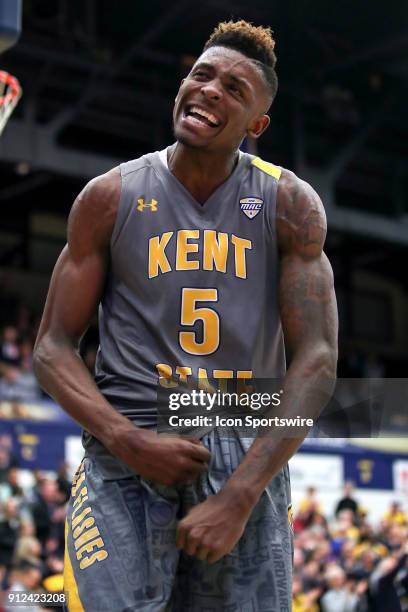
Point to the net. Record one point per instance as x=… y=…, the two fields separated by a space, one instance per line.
x=10 y=93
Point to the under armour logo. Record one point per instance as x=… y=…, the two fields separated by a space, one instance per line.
x=141 y=205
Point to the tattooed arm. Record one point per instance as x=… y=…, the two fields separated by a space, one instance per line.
x=308 y=313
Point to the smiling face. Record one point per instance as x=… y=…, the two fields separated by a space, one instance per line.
x=221 y=101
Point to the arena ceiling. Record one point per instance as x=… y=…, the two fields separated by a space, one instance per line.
x=99 y=81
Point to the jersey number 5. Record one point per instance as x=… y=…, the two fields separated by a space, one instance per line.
x=190 y=314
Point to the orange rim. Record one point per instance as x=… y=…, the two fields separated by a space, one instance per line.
x=14 y=88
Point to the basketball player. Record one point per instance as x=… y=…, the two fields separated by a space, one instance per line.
x=205 y=261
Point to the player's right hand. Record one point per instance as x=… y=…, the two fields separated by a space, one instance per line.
x=162 y=458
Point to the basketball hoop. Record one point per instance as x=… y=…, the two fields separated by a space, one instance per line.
x=10 y=93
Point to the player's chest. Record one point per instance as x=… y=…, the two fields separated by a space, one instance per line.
x=168 y=234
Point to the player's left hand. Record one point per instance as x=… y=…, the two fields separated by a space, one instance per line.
x=211 y=529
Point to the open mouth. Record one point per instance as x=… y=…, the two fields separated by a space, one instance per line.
x=203 y=116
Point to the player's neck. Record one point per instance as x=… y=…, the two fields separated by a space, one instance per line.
x=200 y=172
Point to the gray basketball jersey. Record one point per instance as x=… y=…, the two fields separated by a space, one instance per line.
x=192 y=289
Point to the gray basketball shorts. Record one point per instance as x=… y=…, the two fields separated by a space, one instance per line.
x=121 y=555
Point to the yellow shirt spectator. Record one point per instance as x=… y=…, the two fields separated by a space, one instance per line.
x=395 y=516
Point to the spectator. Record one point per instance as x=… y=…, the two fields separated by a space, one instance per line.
x=382 y=595
x=7 y=459
x=12 y=480
x=9 y=349
x=3 y=574
x=309 y=507
x=20 y=384
x=323 y=553
x=339 y=597
x=347 y=558
x=394 y=515
x=345 y=523
x=10 y=522
x=396 y=537
x=298 y=559
x=17 y=382
x=28 y=381
x=365 y=564
x=4 y=463
x=368 y=539
x=347 y=502
x=63 y=482
x=25 y=578
x=43 y=508
x=10 y=489
x=304 y=602
x=28 y=548
x=311 y=576
x=310 y=502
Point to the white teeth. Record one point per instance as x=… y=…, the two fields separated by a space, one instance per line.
x=203 y=113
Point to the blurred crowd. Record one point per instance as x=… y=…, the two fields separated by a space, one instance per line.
x=343 y=563
x=17 y=335
x=18 y=331
x=32 y=521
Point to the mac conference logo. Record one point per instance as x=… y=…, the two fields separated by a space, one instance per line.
x=251 y=206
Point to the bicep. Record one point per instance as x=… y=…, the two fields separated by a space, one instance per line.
x=307 y=303
x=75 y=290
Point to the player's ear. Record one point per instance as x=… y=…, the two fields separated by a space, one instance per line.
x=258 y=126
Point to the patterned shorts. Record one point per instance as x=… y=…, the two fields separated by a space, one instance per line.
x=120 y=543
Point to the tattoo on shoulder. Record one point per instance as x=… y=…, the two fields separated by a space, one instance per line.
x=301 y=220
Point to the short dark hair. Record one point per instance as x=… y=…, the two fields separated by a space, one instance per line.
x=255 y=42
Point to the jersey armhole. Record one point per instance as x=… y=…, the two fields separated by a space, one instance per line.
x=126 y=199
